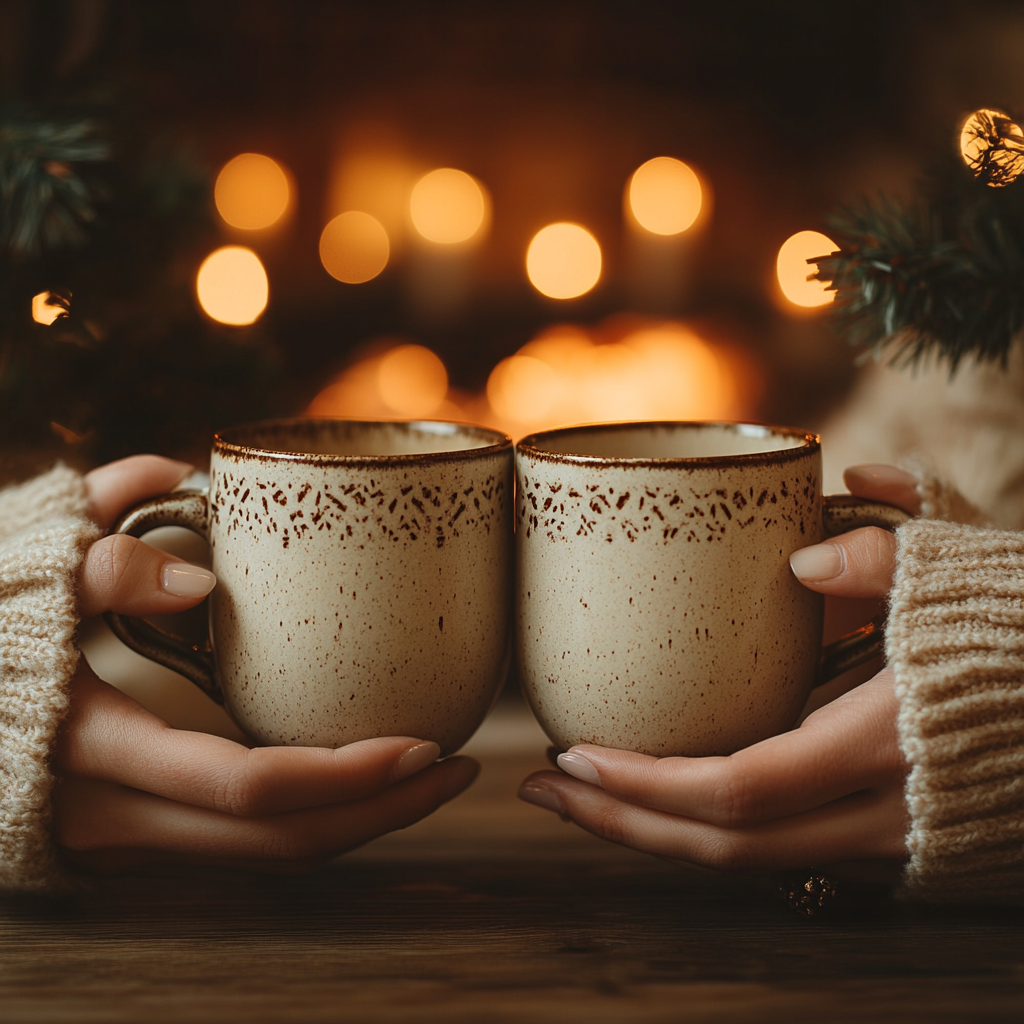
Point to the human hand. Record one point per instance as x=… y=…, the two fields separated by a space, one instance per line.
x=829 y=792
x=133 y=790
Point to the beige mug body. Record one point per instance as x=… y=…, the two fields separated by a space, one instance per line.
x=364 y=579
x=656 y=610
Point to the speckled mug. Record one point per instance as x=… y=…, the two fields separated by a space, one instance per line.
x=364 y=579
x=656 y=608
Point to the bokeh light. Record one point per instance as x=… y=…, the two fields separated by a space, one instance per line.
x=232 y=285
x=793 y=270
x=354 y=247
x=251 y=191
x=448 y=206
x=43 y=311
x=664 y=196
x=412 y=380
x=563 y=261
x=523 y=388
x=992 y=145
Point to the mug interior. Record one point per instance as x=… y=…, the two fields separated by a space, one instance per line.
x=349 y=439
x=647 y=441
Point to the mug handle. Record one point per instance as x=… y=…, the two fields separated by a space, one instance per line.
x=194 y=662
x=841 y=513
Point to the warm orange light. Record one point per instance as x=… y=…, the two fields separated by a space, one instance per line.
x=251 y=192
x=664 y=196
x=563 y=261
x=793 y=269
x=354 y=247
x=412 y=380
x=43 y=312
x=232 y=285
x=447 y=206
x=993 y=145
x=523 y=389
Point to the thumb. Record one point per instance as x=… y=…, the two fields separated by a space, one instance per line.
x=122 y=574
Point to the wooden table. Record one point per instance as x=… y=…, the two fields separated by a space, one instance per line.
x=495 y=911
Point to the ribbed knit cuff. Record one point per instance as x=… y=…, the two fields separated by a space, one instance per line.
x=955 y=641
x=44 y=533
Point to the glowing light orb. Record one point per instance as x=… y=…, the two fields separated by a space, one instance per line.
x=447 y=206
x=993 y=147
x=412 y=380
x=664 y=196
x=354 y=247
x=232 y=286
x=792 y=268
x=251 y=191
x=523 y=389
x=43 y=311
x=563 y=261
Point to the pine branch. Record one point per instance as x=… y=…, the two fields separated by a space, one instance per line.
x=943 y=275
x=45 y=202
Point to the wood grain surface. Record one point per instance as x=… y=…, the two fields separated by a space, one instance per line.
x=495 y=911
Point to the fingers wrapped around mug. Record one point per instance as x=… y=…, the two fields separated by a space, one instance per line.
x=129 y=782
x=828 y=791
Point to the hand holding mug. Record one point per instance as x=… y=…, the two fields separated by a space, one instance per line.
x=829 y=791
x=133 y=790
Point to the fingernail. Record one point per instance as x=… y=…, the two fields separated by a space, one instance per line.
x=883 y=474
x=183 y=580
x=579 y=768
x=415 y=759
x=185 y=468
x=818 y=562
x=541 y=796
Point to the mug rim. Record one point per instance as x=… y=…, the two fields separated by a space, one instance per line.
x=224 y=445
x=532 y=445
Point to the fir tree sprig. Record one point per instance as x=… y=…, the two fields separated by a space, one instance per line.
x=45 y=201
x=942 y=274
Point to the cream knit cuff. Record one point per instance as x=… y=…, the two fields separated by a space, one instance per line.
x=44 y=533
x=955 y=641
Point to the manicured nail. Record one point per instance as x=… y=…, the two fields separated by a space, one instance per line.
x=882 y=474
x=579 y=767
x=183 y=580
x=541 y=796
x=415 y=759
x=818 y=562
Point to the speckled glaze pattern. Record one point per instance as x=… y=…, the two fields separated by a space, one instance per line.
x=656 y=609
x=364 y=580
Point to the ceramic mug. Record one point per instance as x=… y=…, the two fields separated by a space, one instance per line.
x=656 y=609
x=364 y=579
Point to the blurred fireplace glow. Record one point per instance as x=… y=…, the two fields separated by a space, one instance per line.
x=664 y=195
x=412 y=380
x=793 y=270
x=448 y=206
x=625 y=370
x=232 y=286
x=252 y=191
x=354 y=247
x=563 y=261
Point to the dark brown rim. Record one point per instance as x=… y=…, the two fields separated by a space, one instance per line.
x=531 y=445
x=224 y=445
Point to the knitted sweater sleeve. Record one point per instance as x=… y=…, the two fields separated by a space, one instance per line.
x=955 y=641
x=44 y=533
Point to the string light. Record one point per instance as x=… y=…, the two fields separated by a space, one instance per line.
x=354 y=247
x=563 y=261
x=664 y=195
x=793 y=270
x=251 y=191
x=448 y=206
x=232 y=286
